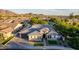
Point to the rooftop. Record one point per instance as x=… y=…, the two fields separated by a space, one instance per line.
x=35 y=33
x=35 y=27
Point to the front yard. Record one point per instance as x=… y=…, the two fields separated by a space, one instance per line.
x=52 y=42
x=36 y=43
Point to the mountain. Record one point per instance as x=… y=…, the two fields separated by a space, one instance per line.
x=6 y=13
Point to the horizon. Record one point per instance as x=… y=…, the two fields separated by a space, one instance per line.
x=64 y=12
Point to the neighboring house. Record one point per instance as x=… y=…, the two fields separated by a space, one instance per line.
x=75 y=20
x=17 y=28
x=70 y=22
x=35 y=33
x=7 y=32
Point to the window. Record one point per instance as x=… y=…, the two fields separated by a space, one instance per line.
x=35 y=36
x=32 y=36
x=49 y=36
x=52 y=36
x=29 y=37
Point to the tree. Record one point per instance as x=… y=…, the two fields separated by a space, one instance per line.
x=37 y=21
x=66 y=20
x=74 y=23
x=52 y=19
x=69 y=32
x=74 y=42
x=42 y=22
x=71 y=16
x=77 y=16
x=34 y=21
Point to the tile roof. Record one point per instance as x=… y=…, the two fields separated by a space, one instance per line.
x=35 y=28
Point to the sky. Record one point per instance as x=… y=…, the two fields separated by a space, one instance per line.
x=47 y=11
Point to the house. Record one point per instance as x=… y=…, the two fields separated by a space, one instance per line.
x=7 y=32
x=35 y=33
x=35 y=36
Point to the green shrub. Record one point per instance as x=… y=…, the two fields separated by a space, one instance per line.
x=38 y=44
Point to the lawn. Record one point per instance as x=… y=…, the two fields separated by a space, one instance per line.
x=52 y=42
x=38 y=44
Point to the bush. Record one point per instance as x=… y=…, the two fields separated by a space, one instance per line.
x=4 y=42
